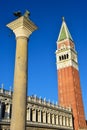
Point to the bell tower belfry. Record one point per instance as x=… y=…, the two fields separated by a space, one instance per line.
x=69 y=90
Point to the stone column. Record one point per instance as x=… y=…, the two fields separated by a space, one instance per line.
x=34 y=115
x=64 y=121
x=53 y=119
x=39 y=116
x=60 y=120
x=22 y=27
x=71 y=122
x=48 y=118
x=27 y=114
x=7 y=111
x=56 y=119
x=30 y=114
x=44 y=117
x=67 y=121
x=0 y=110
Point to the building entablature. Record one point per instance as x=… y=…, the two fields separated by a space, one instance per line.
x=38 y=102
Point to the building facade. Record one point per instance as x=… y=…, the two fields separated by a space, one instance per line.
x=40 y=114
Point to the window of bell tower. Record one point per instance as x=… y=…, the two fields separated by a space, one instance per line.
x=63 y=57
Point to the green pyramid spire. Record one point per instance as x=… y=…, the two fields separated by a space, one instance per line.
x=64 y=32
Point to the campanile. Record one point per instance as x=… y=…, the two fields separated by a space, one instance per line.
x=69 y=89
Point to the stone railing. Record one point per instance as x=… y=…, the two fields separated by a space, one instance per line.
x=5 y=92
x=40 y=101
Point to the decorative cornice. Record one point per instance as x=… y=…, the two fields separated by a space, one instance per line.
x=67 y=64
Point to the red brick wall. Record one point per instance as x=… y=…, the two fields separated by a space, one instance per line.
x=69 y=92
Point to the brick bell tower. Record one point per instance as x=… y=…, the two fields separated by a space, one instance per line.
x=69 y=90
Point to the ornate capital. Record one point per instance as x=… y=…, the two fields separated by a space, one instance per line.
x=22 y=27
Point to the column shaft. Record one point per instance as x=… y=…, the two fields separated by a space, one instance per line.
x=20 y=86
x=56 y=119
x=34 y=115
x=7 y=111
x=53 y=119
x=0 y=110
x=71 y=122
x=39 y=116
x=48 y=118
x=44 y=117
x=27 y=117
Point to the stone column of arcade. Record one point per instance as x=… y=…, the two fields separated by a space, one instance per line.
x=22 y=27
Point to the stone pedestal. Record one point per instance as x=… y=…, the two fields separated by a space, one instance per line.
x=22 y=27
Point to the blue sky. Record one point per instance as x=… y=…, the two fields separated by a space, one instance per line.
x=46 y=14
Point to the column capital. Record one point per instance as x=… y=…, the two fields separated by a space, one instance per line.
x=22 y=27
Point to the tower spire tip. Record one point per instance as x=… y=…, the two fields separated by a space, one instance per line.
x=63 y=18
